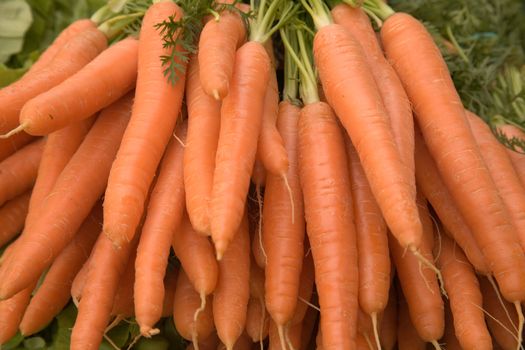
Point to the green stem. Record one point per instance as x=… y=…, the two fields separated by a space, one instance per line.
x=452 y=38
x=378 y=7
x=291 y=78
x=114 y=26
x=262 y=28
x=319 y=12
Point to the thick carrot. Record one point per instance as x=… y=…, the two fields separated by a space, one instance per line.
x=407 y=335
x=323 y=171
x=70 y=57
x=257 y=321
x=11 y=312
x=201 y=146
x=54 y=292
x=218 y=43
x=13 y=144
x=372 y=241
x=283 y=237
x=432 y=186
x=79 y=186
x=393 y=94
x=387 y=329
x=12 y=217
x=241 y=116
x=427 y=82
x=19 y=171
x=231 y=296
x=518 y=159
x=510 y=188
x=155 y=110
x=97 y=85
x=164 y=215
x=170 y=283
x=465 y=296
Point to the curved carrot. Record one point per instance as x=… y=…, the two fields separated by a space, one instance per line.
x=407 y=335
x=231 y=296
x=11 y=312
x=164 y=215
x=54 y=292
x=323 y=171
x=79 y=186
x=241 y=116
x=155 y=110
x=427 y=82
x=19 y=171
x=12 y=217
x=13 y=144
x=97 y=85
x=218 y=43
x=518 y=159
x=70 y=57
x=201 y=146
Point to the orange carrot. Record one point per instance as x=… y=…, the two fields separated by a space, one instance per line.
x=201 y=146
x=407 y=335
x=306 y=287
x=230 y=299
x=294 y=337
x=387 y=329
x=11 y=312
x=164 y=215
x=155 y=110
x=323 y=171
x=210 y=343
x=257 y=321
x=13 y=144
x=80 y=280
x=241 y=115
x=518 y=159
x=123 y=306
x=449 y=338
x=54 y=292
x=170 y=283
x=18 y=172
x=80 y=96
x=69 y=58
x=77 y=189
x=12 y=217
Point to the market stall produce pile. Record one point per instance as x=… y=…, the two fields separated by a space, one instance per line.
x=232 y=166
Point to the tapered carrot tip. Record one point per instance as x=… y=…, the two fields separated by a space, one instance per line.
x=220 y=248
x=15 y=131
x=216 y=95
x=148 y=332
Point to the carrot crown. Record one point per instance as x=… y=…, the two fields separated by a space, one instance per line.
x=377 y=9
x=119 y=18
x=319 y=12
x=263 y=26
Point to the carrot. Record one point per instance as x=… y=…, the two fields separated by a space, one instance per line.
x=11 y=312
x=107 y=265
x=219 y=40
x=123 y=306
x=420 y=286
x=464 y=295
x=69 y=58
x=294 y=337
x=432 y=186
x=449 y=338
x=510 y=188
x=518 y=159
x=18 y=172
x=210 y=343
x=259 y=255
x=351 y=90
x=12 y=217
x=244 y=343
x=155 y=110
x=80 y=280
x=306 y=287
x=387 y=329
x=231 y=296
x=407 y=335
x=257 y=321
x=54 y=292
x=307 y=329
x=395 y=100
x=77 y=189
x=170 y=283
x=13 y=144
x=201 y=146
x=372 y=244
x=80 y=96
x=362 y=343
x=283 y=237
x=427 y=82
x=164 y=215
x=365 y=330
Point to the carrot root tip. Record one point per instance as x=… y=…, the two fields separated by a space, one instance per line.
x=521 y=320
x=375 y=328
x=216 y=95
x=15 y=131
x=148 y=332
x=431 y=266
x=282 y=338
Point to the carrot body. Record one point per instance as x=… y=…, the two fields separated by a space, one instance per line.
x=465 y=297
x=170 y=283
x=11 y=312
x=53 y=294
x=306 y=288
x=241 y=116
x=218 y=43
x=257 y=321
x=12 y=217
x=201 y=146
x=387 y=329
x=231 y=296
x=294 y=335
x=343 y=70
x=518 y=159
x=372 y=240
x=432 y=186
x=13 y=144
x=447 y=134
x=283 y=239
x=123 y=305
x=80 y=280
x=85 y=92
x=449 y=338
x=19 y=171
x=407 y=335
x=155 y=111
x=77 y=189
x=165 y=211
x=393 y=94
x=71 y=57
x=325 y=182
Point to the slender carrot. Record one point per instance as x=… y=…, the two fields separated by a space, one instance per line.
x=164 y=215
x=123 y=306
x=257 y=321
x=155 y=110
x=11 y=312
x=306 y=288
x=54 y=292
x=77 y=189
x=12 y=217
x=79 y=96
x=170 y=283
x=69 y=58
x=80 y=280
x=201 y=147
x=13 y=144
x=387 y=329
x=19 y=171
x=308 y=328
x=518 y=159
x=407 y=335
x=449 y=338
x=230 y=299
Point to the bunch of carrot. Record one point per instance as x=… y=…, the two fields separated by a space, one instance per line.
x=367 y=189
